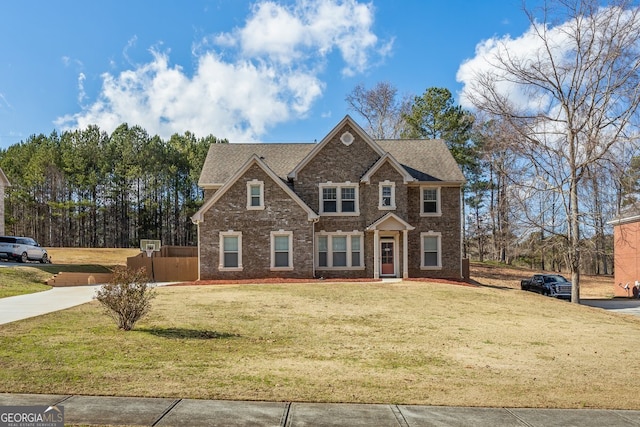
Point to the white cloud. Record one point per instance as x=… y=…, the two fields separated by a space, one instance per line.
x=266 y=72
x=527 y=47
x=81 y=92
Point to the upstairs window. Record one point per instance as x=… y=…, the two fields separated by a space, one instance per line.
x=255 y=195
x=348 y=199
x=430 y=201
x=339 y=199
x=387 y=196
x=329 y=199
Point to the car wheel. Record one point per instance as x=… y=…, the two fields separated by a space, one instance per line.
x=45 y=259
x=23 y=257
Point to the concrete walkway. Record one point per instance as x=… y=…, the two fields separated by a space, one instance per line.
x=135 y=411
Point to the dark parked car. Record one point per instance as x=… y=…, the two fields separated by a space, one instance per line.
x=553 y=285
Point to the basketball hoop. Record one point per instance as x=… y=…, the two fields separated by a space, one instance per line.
x=149 y=251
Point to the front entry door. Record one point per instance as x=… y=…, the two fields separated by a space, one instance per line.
x=387 y=266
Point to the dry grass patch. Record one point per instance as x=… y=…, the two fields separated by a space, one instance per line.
x=101 y=256
x=412 y=343
x=507 y=277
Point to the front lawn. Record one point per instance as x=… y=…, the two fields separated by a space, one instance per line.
x=21 y=280
x=411 y=343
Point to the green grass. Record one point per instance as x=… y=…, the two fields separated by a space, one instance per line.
x=72 y=268
x=22 y=280
x=410 y=343
x=30 y=278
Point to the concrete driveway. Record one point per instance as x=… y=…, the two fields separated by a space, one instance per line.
x=618 y=305
x=31 y=305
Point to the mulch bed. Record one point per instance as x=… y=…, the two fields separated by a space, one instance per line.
x=276 y=280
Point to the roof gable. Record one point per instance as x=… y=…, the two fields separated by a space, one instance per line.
x=253 y=160
x=387 y=158
x=347 y=121
x=390 y=221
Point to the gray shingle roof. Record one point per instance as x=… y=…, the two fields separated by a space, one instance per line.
x=425 y=160
x=223 y=160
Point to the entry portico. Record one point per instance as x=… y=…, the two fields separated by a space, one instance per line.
x=386 y=233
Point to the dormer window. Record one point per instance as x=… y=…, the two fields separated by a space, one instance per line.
x=387 y=195
x=255 y=195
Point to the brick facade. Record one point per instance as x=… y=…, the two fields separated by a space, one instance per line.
x=626 y=237
x=297 y=209
x=230 y=214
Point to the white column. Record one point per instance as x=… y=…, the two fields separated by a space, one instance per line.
x=405 y=254
x=376 y=255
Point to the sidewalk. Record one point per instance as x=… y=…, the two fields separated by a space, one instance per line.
x=135 y=411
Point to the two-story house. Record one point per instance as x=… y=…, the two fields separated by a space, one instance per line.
x=346 y=207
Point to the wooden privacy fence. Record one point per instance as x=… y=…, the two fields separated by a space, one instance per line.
x=170 y=264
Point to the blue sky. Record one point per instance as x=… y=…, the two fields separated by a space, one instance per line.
x=248 y=71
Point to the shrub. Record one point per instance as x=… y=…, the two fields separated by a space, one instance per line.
x=127 y=298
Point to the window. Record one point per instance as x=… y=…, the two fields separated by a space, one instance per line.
x=348 y=197
x=322 y=251
x=387 y=199
x=281 y=250
x=339 y=250
x=339 y=199
x=329 y=200
x=255 y=195
x=230 y=251
x=431 y=251
x=355 y=251
x=430 y=201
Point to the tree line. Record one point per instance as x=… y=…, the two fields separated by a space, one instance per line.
x=87 y=188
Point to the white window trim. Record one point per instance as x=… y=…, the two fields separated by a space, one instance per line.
x=222 y=235
x=281 y=233
x=438 y=236
x=392 y=206
x=438 y=211
x=255 y=183
x=330 y=236
x=339 y=187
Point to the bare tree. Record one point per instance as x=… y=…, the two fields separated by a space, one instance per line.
x=573 y=95
x=381 y=108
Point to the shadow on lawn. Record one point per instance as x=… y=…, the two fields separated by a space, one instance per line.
x=182 y=333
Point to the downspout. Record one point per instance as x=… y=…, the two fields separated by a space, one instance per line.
x=198 y=225
x=313 y=245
